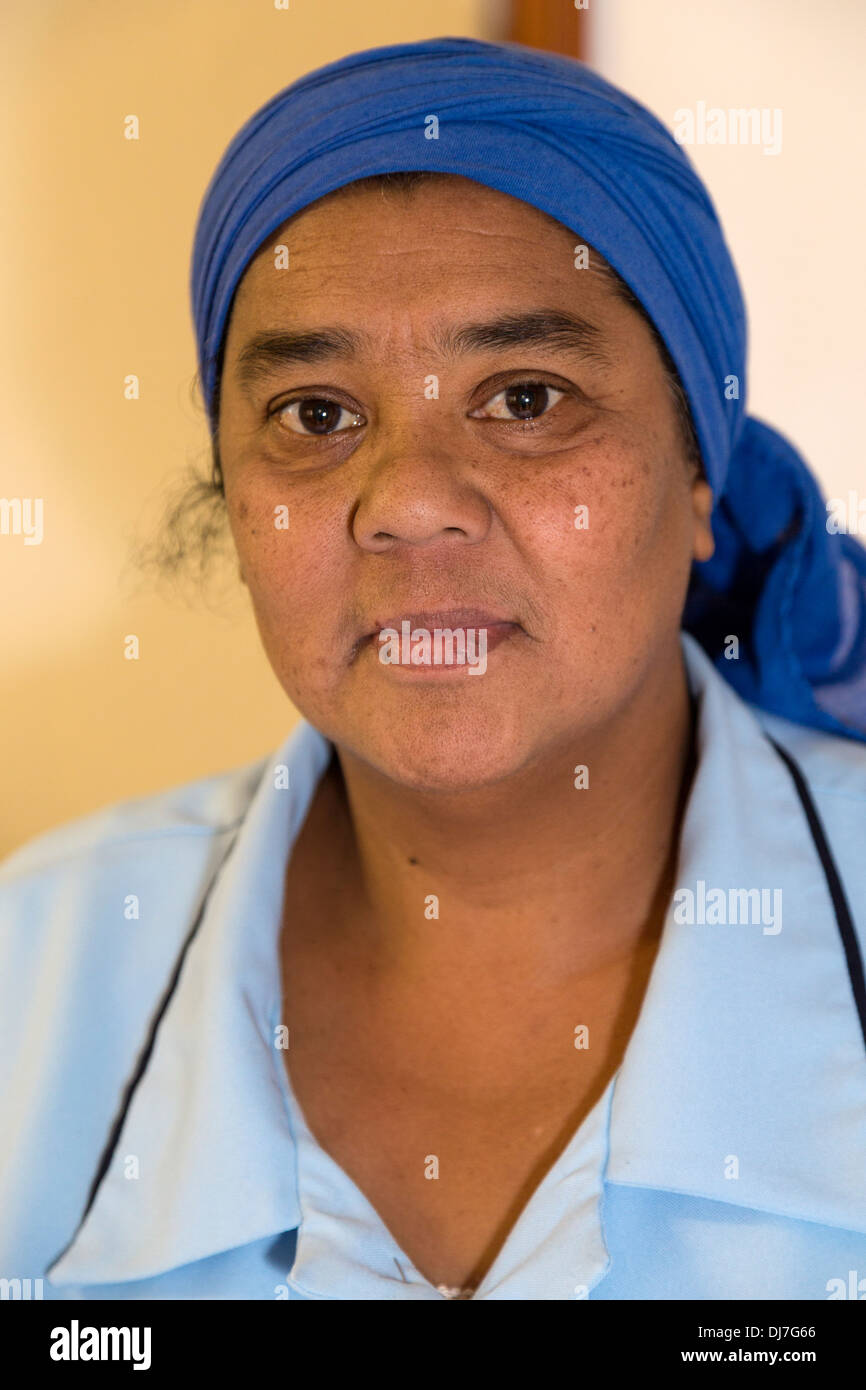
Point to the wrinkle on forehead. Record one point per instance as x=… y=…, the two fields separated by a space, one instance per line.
x=344 y=210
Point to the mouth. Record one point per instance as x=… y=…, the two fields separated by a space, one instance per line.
x=440 y=641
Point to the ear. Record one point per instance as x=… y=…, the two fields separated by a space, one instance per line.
x=702 y=506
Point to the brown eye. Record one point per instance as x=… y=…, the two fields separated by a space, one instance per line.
x=317 y=415
x=525 y=400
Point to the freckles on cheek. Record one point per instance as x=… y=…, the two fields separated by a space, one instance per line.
x=640 y=507
x=292 y=570
x=601 y=516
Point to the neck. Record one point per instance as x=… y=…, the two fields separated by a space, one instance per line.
x=529 y=874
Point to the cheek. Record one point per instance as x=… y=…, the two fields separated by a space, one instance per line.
x=611 y=532
x=291 y=556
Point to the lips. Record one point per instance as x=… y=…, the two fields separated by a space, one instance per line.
x=470 y=654
x=445 y=618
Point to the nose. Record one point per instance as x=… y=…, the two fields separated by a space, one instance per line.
x=419 y=492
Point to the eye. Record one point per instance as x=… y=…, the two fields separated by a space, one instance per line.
x=525 y=400
x=317 y=415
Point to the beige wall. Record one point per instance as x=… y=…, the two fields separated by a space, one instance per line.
x=94 y=264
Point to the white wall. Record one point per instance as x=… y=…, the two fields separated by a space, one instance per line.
x=796 y=221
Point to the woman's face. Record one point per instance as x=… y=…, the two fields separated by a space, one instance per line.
x=381 y=463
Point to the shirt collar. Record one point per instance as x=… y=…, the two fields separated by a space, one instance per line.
x=344 y=1251
x=747 y=1046
x=744 y=1080
x=207 y=1121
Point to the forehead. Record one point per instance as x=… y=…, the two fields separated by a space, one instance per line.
x=372 y=244
x=445 y=201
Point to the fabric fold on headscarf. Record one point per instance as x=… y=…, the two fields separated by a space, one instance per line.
x=548 y=130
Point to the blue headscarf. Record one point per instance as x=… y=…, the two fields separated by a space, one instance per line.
x=548 y=130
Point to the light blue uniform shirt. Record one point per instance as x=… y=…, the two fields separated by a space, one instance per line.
x=727 y=1158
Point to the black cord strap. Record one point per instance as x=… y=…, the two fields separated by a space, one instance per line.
x=851 y=946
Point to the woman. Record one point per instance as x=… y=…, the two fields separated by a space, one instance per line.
x=529 y=966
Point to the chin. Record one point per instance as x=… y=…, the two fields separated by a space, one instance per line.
x=443 y=751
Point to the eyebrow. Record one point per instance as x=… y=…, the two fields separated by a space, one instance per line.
x=267 y=352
